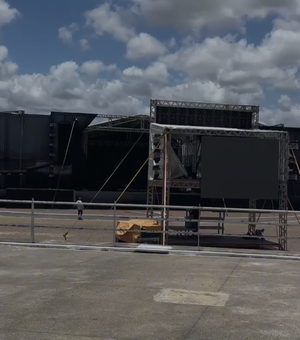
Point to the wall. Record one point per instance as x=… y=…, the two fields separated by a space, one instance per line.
x=23 y=136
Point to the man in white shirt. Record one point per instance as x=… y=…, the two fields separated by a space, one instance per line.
x=79 y=206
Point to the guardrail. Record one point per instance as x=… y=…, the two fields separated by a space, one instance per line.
x=226 y=216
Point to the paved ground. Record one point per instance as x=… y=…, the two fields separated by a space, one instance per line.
x=50 y=294
x=52 y=224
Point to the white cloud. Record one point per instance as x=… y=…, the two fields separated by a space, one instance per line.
x=285 y=103
x=194 y=15
x=237 y=64
x=84 y=44
x=65 y=33
x=145 y=45
x=218 y=68
x=7 y=13
x=94 y=67
x=172 y=43
x=67 y=87
x=106 y=19
x=287 y=112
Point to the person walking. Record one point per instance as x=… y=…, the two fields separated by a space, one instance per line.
x=79 y=206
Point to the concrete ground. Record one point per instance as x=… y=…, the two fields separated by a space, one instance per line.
x=50 y=225
x=50 y=294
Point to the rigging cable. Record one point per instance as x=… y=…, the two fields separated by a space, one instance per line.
x=110 y=176
x=65 y=157
x=133 y=178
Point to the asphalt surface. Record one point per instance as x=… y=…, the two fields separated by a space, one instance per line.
x=51 y=294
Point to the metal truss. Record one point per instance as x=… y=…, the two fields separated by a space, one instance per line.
x=115 y=123
x=283 y=189
x=208 y=131
x=252 y=217
x=118 y=117
x=150 y=187
x=166 y=186
x=283 y=138
x=206 y=106
x=19 y=112
x=116 y=129
x=179 y=183
x=114 y=143
x=255 y=117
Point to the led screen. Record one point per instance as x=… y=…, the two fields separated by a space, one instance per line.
x=234 y=167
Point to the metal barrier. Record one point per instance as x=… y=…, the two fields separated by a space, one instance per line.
x=50 y=225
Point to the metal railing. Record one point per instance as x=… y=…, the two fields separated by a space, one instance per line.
x=43 y=223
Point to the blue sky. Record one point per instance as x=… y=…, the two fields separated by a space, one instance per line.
x=249 y=67
x=33 y=41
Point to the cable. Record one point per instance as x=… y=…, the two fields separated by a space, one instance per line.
x=65 y=157
x=140 y=169
x=117 y=167
x=66 y=234
x=134 y=177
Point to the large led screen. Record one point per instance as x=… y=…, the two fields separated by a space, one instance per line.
x=203 y=117
x=234 y=167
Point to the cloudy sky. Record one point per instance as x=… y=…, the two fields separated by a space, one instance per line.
x=112 y=57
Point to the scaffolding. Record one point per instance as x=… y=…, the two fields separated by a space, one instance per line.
x=161 y=135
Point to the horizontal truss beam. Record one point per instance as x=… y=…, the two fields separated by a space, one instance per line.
x=114 y=143
x=184 y=184
x=117 y=129
x=226 y=133
x=206 y=106
x=106 y=116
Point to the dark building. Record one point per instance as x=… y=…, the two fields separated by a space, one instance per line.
x=65 y=151
x=33 y=149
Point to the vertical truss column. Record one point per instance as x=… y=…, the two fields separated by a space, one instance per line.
x=283 y=189
x=153 y=103
x=195 y=155
x=166 y=189
x=255 y=117
x=252 y=217
x=282 y=202
x=150 y=189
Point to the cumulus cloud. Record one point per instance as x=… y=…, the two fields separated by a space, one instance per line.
x=94 y=67
x=240 y=65
x=7 y=13
x=107 y=19
x=195 y=15
x=65 y=33
x=286 y=112
x=67 y=86
x=145 y=45
x=84 y=44
x=219 y=68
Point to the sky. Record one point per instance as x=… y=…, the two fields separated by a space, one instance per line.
x=111 y=57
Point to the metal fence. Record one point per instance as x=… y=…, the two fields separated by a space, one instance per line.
x=46 y=222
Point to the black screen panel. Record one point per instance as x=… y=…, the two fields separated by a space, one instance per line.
x=203 y=117
x=239 y=168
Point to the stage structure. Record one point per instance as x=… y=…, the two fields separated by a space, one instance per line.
x=188 y=147
x=169 y=165
x=204 y=114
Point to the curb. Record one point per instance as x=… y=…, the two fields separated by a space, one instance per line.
x=165 y=250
